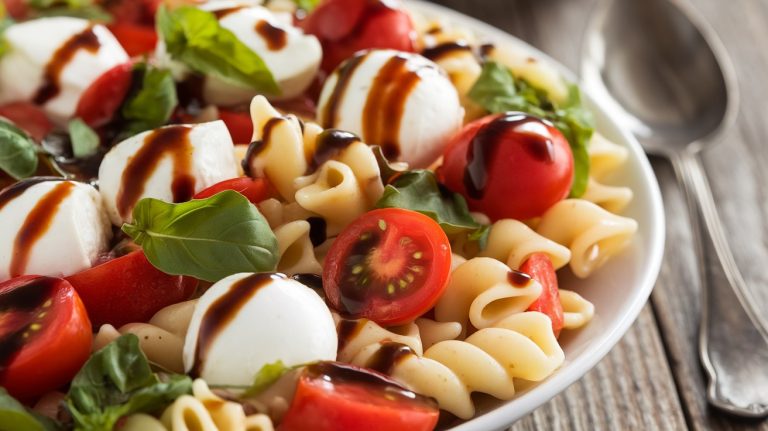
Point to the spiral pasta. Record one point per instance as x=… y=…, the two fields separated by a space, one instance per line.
x=591 y=233
x=604 y=156
x=297 y=255
x=577 y=311
x=612 y=198
x=356 y=334
x=512 y=242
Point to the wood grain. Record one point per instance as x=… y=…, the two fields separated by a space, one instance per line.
x=653 y=379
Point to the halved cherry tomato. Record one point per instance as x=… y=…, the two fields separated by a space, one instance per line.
x=540 y=268
x=509 y=166
x=390 y=265
x=29 y=117
x=332 y=396
x=128 y=289
x=347 y=26
x=99 y=102
x=255 y=189
x=135 y=39
x=45 y=335
x=17 y=9
x=239 y=124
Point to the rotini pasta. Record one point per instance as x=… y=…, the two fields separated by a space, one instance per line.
x=577 y=311
x=604 y=156
x=356 y=334
x=612 y=198
x=297 y=255
x=512 y=242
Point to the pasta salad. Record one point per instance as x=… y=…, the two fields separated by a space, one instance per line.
x=292 y=215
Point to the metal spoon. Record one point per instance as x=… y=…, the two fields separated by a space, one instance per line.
x=662 y=70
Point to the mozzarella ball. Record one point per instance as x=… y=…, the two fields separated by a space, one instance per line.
x=51 y=227
x=203 y=153
x=291 y=56
x=83 y=51
x=398 y=100
x=246 y=321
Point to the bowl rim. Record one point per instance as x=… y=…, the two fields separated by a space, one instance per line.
x=519 y=407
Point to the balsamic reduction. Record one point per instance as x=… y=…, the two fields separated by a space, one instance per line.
x=345 y=73
x=388 y=356
x=330 y=143
x=348 y=330
x=317 y=230
x=51 y=87
x=16 y=189
x=275 y=37
x=257 y=147
x=518 y=279
x=445 y=49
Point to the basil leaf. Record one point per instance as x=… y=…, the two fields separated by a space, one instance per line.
x=18 y=152
x=419 y=190
x=75 y=8
x=497 y=90
x=387 y=171
x=208 y=239
x=85 y=142
x=5 y=22
x=117 y=381
x=267 y=375
x=15 y=417
x=307 y=5
x=152 y=103
x=194 y=37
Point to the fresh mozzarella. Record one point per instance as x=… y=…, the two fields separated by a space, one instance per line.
x=212 y=161
x=251 y=320
x=412 y=100
x=75 y=231
x=33 y=46
x=291 y=56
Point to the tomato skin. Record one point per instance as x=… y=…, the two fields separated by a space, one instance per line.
x=128 y=289
x=530 y=170
x=135 y=39
x=389 y=261
x=320 y=405
x=17 y=9
x=64 y=334
x=347 y=26
x=101 y=100
x=28 y=117
x=255 y=189
x=540 y=268
x=239 y=124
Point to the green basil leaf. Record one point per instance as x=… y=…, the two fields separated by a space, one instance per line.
x=307 y=5
x=267 y=375
x=5 y=22
x=497 y=90
x=194 y=37
x=387 y=171
x=152 y=103
x=85 y=141
x=86 y=9
x=208 y=239
x=117 y=381
x=419 y=190
x=15 y=417
x=18 y=152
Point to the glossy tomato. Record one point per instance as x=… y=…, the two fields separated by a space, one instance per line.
x=28 y=117
x=255 y=189
x=509 y=166
x=239 y=124
x=101 y=99
x=333 y=396
x=45 y=335
x=347 y=26
x=135 y=39
x=129 y=289
x=390 y=265
x=540 y=268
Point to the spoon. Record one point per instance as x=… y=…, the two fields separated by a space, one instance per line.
x=660 y=68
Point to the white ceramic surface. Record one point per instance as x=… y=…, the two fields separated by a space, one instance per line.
x=619 y=289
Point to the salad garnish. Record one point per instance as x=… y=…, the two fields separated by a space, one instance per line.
x=18 y=152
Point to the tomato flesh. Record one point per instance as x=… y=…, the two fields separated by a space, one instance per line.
x=255 y=189
x=540 y=268
x=101 y=99
x=28 y=117
x=333 y=396
x=239 y=124
x=135 y=39
x=129 y=289
x=509 y=166
x=41 y=318
x=390 y=265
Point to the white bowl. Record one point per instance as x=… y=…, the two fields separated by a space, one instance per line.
x=619 y=289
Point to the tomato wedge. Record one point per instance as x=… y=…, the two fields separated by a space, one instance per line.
x=29 y=117
x=540 y=268
x=135 y=39
x=99 y=102
x=129 y=289
x=332 y=396
x=45 y=335
x=239 y=124
x=255 y=189
x=390 y=266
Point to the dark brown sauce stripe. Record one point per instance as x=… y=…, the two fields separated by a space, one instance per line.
x=224 y=310
x=172 y=141
x=257 y=147
x=36 y=224
x=388 y=356
x=275 y=37
x=518 y=279
x=221 y=13
x=348 y=329
x=15 y=190
x=330 y=143
x=345 y=73
x=51 y=86
x=445 y=49
x=317 y=230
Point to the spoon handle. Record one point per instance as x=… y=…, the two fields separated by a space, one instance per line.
x=733 y=337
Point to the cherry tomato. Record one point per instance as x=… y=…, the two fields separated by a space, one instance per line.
x=540 y=268
x=332 y=396
x=509 y=166
x=256 y=190
x=128 y=289
x=390 y=265
x=239 y=124
x=347 y=26
x=99 y=102
x=28 y=117
x=17 y=9
x=132 y=11
x=45 y=335
x=135 y=39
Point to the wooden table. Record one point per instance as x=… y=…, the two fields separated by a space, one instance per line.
x=652 y=379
